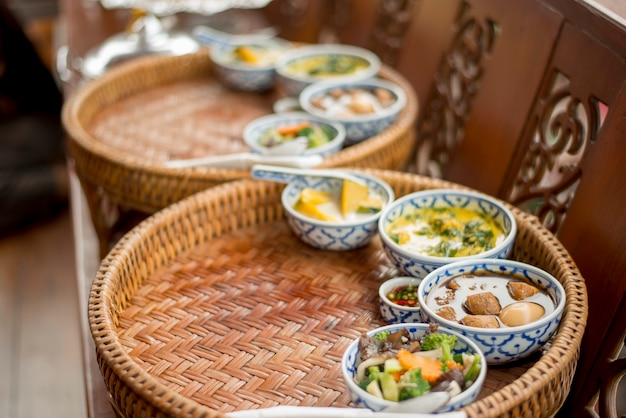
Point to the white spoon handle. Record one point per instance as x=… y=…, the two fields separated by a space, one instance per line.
x=287 y=174
x=244 y=161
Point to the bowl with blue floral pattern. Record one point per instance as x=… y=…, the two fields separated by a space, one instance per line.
x=510 y=309
x=365 y=107
x=333 y=213
x=424 y=230
x=398 y=300
x=249 y=66
x=366 y=353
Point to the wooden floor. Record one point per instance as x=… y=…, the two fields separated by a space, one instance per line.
x=41 y=370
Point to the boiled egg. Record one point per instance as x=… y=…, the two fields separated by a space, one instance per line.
x=521 y=313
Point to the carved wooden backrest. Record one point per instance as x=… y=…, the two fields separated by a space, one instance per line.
x=526 y=103
x=525 y=100
x=569 y=170
x=379 y=25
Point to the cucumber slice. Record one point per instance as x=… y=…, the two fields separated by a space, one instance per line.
x=389 y=387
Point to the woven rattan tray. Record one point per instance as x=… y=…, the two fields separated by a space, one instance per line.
x=123 y=126
x=213 y=305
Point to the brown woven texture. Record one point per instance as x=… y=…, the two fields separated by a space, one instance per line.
x=122 y=126
x=213 y=305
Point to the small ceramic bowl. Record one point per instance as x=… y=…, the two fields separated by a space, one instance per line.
x=507 y=343
x=365 y=108
x=361 y=398
x=248 y=66
x=303 y=66
x=397 y=309
x=338 y=235
x=261 y=129
x=412 y=260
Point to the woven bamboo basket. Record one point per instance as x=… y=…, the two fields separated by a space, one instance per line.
x=123 y=125
x=212 y=305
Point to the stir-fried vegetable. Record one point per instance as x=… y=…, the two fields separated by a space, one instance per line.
x=396 y=367
x=316 y=134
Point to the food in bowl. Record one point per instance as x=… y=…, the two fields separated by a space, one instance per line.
x=326 y=66
x=403 y=361
x=344 y=227
x=487 y=299
x=317 y=134
x=249 y=66
x=509 y=308
x=347 y=101
x=355 y=201
x=303 y=66
x=403 y=295
x=427 y=229
x=266 y=132
x=445 y=231
x=365 y=107
x=398 y=300
x=252 y=55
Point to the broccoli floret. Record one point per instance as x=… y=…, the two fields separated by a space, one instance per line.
x=413 y=384
x=438 y=340
x=373 y=373
x=382 y=336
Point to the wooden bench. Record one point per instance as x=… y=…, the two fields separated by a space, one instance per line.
x=526 y=101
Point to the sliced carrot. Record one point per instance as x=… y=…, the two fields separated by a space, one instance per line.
x=292 y=129
x=451 y=364
x=396 y=375
x=431 y=368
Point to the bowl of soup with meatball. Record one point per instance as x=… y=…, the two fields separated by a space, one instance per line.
x=365 y=108
x=509 y=308
x=425 y=230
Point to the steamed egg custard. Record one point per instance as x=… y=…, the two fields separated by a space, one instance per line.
x=446 y=232
x=487 y=300
x=353 y=201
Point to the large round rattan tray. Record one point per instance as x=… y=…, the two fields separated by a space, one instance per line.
x=212 y=305
x=122 y=126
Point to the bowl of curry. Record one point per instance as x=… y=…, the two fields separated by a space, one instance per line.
x=425 y=230
x=303 y=66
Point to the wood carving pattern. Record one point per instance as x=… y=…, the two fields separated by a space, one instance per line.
x=293 y=11
x=456 y=82
x=394 y=17
x=562 y=128
x=338 y=17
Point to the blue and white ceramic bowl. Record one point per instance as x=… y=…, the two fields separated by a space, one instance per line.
x=257 y=76
x=393 y=313
x=365 y=108
x=293 y=73
x=362 y=398
x=254 y=131
x=339 y=235
x=419 y=265
x=506 y=344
